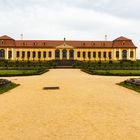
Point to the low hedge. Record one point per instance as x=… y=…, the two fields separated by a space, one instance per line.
x=130 y=86
x=7 y=87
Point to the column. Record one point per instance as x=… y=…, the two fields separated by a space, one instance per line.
x=128 y=54
x=68 y=54
x=60 y=54
x=7 y=53
x=75 y=54
x=53 y=54
x=120 y=54
x=12 y=54
x=114 y=54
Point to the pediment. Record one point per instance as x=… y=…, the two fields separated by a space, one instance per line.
x=64 y=46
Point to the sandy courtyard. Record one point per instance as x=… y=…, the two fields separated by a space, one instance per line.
x=85 y=108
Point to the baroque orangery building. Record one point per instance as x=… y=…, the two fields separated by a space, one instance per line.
x=119 y=49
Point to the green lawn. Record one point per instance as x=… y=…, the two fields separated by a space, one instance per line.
x=130 y=86
x=4 y=73
x=115 y=72
x=7 y=87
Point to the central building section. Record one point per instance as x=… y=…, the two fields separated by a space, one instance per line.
x=64 y=52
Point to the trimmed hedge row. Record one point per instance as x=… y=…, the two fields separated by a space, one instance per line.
x=123 y=68
x=8 y=73
x=118 y=65
x=4 y=64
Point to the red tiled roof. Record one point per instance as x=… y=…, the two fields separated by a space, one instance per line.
x=50 y=43
x=5 y=37
x=121 y=38
x=117 y=43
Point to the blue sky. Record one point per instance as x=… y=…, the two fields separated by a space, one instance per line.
x=72 y=19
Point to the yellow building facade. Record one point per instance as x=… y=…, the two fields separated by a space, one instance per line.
x=44 y=50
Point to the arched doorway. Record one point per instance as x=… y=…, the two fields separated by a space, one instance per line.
x=124 y=54
x=71 y=54
x=2 y=54
x=64 y=54
x=57 y=54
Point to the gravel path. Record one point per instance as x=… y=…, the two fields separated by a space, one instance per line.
x=85 y=107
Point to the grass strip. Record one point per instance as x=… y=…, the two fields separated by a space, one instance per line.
x=8 y=73
x=113 y=72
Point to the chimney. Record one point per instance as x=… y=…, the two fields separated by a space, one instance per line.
x=21 y=35
x=105 y=37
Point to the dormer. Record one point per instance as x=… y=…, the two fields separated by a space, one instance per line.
x=123 y=42
x=7 y=41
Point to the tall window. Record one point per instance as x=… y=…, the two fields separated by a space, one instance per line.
x=124 y=54
x=2 y=53
x=84 y=55
x=131 y=54
x=64 y=54
x=71 y=54
x=94 y=55
x=89 y=55
x=44 y=54
x=9 y=54
x=39 y=55
x=104 y=55
x=99 y=55
x=18 y=54
x=28 y=54
x=110 y=55
x=117 y=54
x=50 y=54
x=23 y=54
x=78 y=54
x=57 y=54
x=34 y=54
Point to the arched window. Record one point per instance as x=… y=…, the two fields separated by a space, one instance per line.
x=84 y=55
x=34 y=54
x=2 y=53
x=124 y=54
x=28 y=54
x=105 y=55
x=50 y=54
x=9 y=54
x=78 y=54
x=99 y=54
x=23 y=54
x=57 y=54
x=71 y=54
x=131 y=54
x=117 y=54
x=110 y=55
x=94 y=55
x=64 y=54
x=18 y=54
x=89 y=55
x=39 y=55
x=44 y=54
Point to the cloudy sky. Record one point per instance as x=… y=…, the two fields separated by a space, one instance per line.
x=73 y=19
